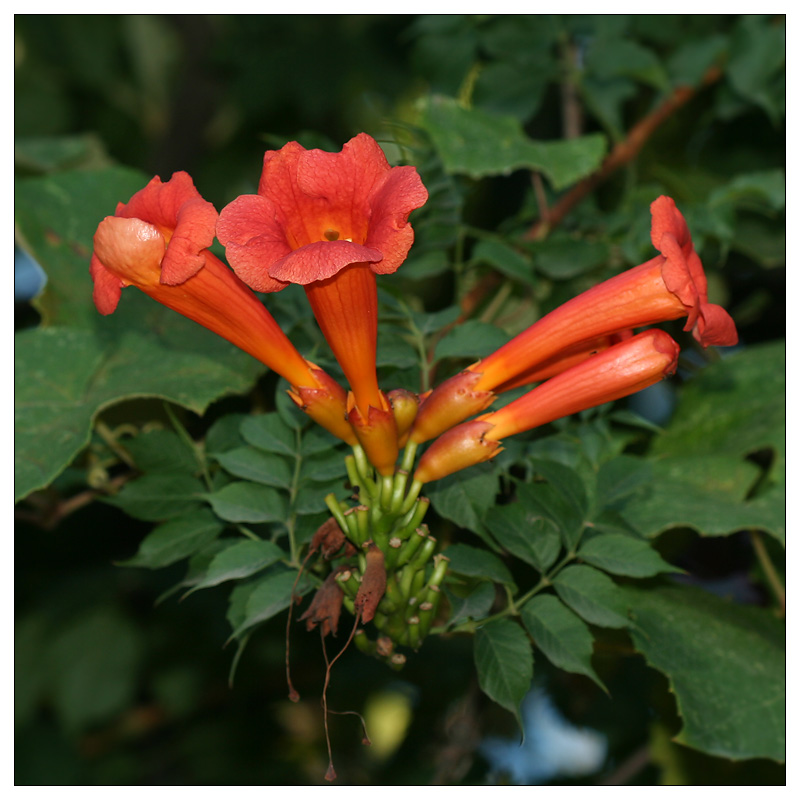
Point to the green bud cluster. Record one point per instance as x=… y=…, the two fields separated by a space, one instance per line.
x=388 y=513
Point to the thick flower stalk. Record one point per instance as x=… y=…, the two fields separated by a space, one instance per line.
x=330 y=222
x=158 y=242
x=670 y=286
x=621 y=370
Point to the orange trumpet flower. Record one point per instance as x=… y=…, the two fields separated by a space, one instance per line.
x=669 y=286
x=330 y=222
x=159 y=243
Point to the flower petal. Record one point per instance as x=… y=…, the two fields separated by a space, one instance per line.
x=130 y=248
x=319 y=261
x=107 y=287
x=253 y=240
x=188 y=221
x=346 y=181
x=389 y=231
x=667 y=219
x=715 y=326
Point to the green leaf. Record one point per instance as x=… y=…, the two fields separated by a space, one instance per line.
x=78 y=362
x=614 y=56
x=525 y=533
x=621 y=477
x=224 y=434
x=156 y=497
x=239 y=560
x=561 y=635
x=706 y=493
x=324 y=466
x=64 y=377
x=465 y=500
x=475 y=605
x=478 y=143
x=471 y=339
x=316 y=440
x=93 y=661
x=256 y=465
x=623 y=555
x=505 y=259
x=764 y=190
x=161 y=451
x=268 y=596
x=690 y=60
x=478 y=563
x=726 y=665
x=57 y=216
x=269 y=432
x=242 y=501
x=546 y=500
x=177 y=539
x=592 y=595
x=310 y=498
x=504 y=661
x=562 y=258
x=732 y=409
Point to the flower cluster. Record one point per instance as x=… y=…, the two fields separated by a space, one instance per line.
x=331 y=222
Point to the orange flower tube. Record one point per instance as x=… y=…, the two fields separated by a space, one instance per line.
x=330 y=222
x=158 y=242
x=669 y=286
x=621 y=370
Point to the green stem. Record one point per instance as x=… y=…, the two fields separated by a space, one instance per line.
x=771 y=574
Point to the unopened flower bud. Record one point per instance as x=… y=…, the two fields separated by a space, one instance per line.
x=452 y=401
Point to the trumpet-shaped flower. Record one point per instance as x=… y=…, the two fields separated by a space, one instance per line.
x=330 y=222
x=621 y=370
x=669 y=286
x=158 y=242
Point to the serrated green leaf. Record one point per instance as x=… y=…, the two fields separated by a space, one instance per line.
x=592 y=595
x=243 y=501
x=475 y=605
x=726 y=665
x=310 y=498
x=478 y=143
x=465 y=499
x=177 y=539
x=504 y=660
x=324 y=466
x=224 y=434
x=239 y=560
x=525 y=533
x=254 y=464
x=706 y=493
x=621 y=477
x=269 y=432
x=79 y=362
x=316 y=440
x=623 y=555
x=156 y=497
x=270 y=595
x=561 y=635
x=546 y=500
x=478 y=563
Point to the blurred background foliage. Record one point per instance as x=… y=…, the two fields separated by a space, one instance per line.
x=505 y=116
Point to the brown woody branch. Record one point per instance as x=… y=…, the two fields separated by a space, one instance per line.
x=623 y=153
